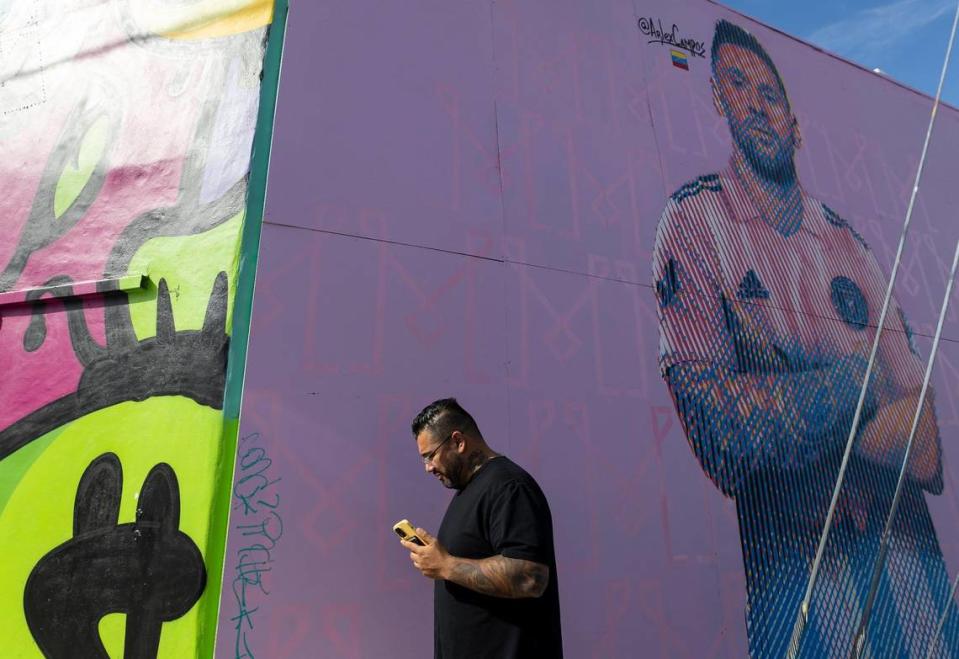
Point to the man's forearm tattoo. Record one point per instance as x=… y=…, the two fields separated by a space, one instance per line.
x=500 y=576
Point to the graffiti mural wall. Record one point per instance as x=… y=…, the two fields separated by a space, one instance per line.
x=127 y=132
x=646 y=244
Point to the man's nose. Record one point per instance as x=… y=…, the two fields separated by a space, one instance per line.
x=756 y=109
x=429 y=466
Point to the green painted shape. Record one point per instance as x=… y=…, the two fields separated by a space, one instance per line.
x=189 y=264
x=219 y=532
x=39 y=513
x=73 y=178
x=16 y=465
x=112 y=628
x=243 y=303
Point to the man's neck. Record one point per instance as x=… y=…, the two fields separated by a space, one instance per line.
x=779 y=205
x=477 y=459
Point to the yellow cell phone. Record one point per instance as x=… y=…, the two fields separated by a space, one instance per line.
x=405 y=530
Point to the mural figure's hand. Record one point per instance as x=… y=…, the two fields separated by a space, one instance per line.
x=884 y=439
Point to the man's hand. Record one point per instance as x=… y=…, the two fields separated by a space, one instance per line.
x=432 y=560
x=497 y=576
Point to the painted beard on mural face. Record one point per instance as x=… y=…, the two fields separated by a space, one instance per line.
x=769 y=156
x=760 y=120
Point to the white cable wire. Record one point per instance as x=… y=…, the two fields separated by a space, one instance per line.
x=803 y=614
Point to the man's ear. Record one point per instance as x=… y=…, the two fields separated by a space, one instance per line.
x=717 y=101
x=459 y=439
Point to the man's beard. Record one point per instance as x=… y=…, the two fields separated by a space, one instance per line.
x=454 y=475
x=778 y=168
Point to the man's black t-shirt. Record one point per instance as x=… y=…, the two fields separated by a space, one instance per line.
x=501 y=511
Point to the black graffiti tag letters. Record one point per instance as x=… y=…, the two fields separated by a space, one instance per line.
x=148 y=569
x=260 y=527
x=653 y=28
x=266 y=528
x=243 y=651
x=254 y=456
x=253 y=464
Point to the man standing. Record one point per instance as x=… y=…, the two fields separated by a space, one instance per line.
x=768 y=303
x=493 y=564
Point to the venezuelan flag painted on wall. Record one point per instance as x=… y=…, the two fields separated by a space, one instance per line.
x=679 y=60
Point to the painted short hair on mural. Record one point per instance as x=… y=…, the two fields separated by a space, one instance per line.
x=765 y=384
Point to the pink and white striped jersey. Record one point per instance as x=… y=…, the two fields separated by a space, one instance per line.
x=818 y=291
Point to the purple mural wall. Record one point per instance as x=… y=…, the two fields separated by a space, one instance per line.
x=464 y=201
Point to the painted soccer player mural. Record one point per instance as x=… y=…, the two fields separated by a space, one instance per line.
x=768 y=304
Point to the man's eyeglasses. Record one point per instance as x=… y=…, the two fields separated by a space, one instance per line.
x=428 y=458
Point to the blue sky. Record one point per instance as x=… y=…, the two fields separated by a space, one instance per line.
x=905 y=38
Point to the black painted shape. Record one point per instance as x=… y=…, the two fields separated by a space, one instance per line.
x=85 y=348
x=148 y=569
x=98 y=495
x=850 y=303
x=751 y=287
x=189 y=363
x=669 y=285
x=166 y=331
